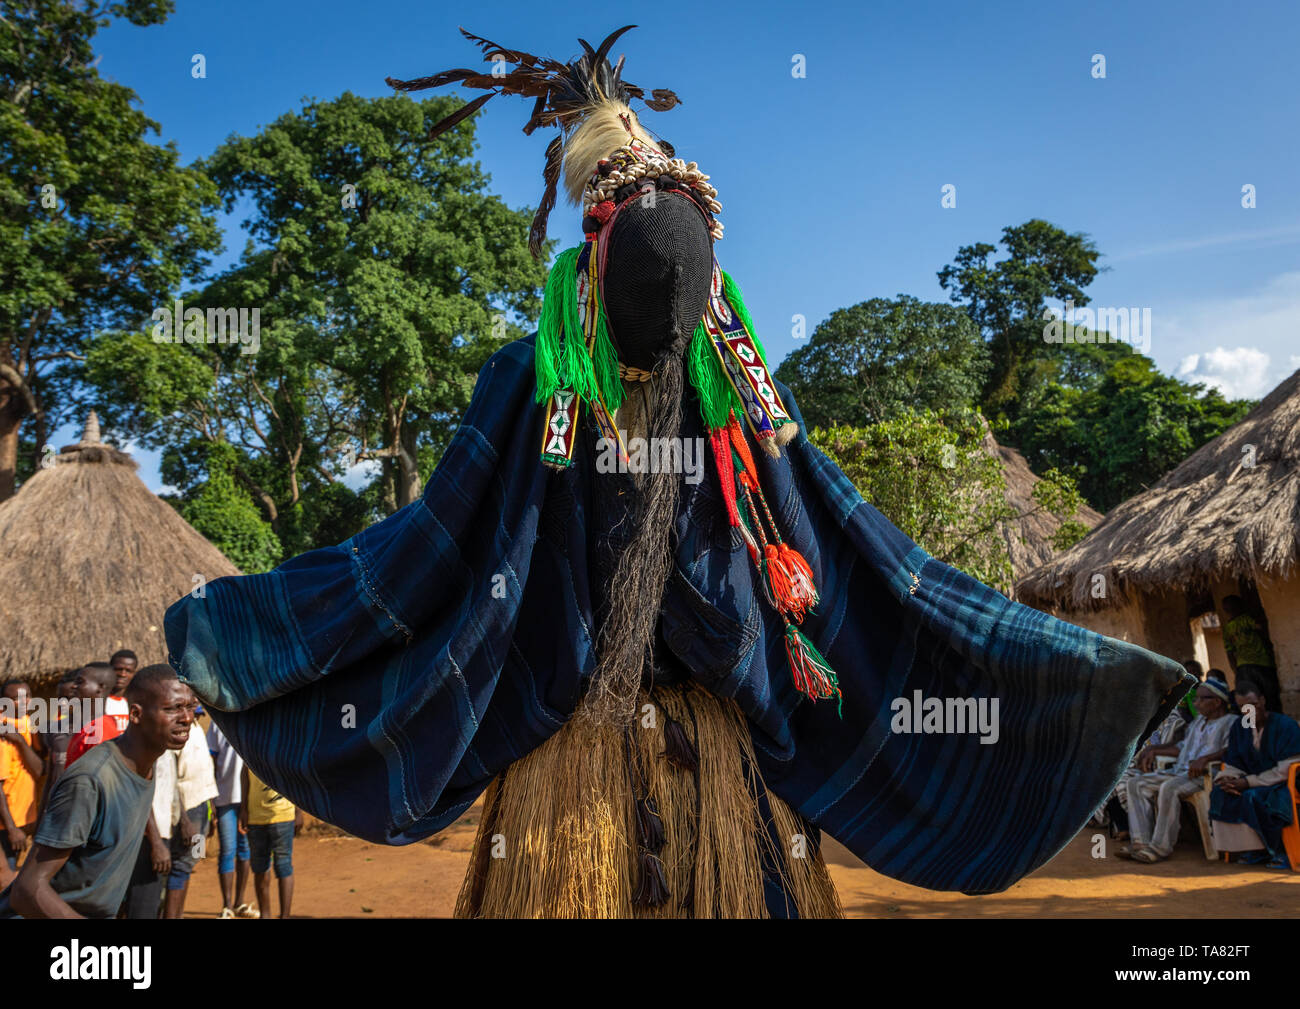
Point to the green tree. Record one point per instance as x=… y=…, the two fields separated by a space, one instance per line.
x=882 y=358
x=936 y=476
x=1124 y=432
x=380 y=255
x=1006 y=300
x=384 y=277
x=223 y=512
x=97 y=225
x=1095 y=409
x=931 y=475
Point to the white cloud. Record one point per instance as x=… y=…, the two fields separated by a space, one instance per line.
x=362 y=474
x=1240 y=373
x=1243 y=345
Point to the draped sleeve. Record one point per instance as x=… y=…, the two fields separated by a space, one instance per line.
x=381 y=683
x=951 y=810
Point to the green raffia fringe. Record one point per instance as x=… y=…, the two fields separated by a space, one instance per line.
x=717 y=396
x=605 y=362
x=562 y=362
x=732 y=291
x=551 y=325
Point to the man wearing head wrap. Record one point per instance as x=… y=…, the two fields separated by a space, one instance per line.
x=1153 y=798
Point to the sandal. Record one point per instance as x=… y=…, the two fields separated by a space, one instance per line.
x=1147 y=856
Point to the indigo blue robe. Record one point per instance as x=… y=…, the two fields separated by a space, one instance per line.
x=382 y=683
x=1267 y=809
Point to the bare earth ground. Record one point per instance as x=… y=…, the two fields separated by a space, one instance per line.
x=338 y=876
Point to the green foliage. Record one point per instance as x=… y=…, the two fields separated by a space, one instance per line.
x=1006 y=300
x=881 y=359
x=1123 y=432
x=223 y=512
x=97 y=225
x=1098 y=411
x=147 y=378
x=930 y=474
x=384 y=275
x=380 y=257
x=1058 y=494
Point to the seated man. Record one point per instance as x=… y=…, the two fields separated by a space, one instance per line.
x=1153 y=798
x=1251 y=803
x=1164 y=742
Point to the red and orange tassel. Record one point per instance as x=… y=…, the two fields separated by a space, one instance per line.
x=785 y=576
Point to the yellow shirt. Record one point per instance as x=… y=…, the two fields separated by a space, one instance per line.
x=19 y=785
x=266 y=805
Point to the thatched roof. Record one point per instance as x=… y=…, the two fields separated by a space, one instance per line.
x=1231 y=508
x=89 y=561
x=1029 y=538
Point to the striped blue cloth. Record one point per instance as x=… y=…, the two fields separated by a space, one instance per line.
x=382 y=683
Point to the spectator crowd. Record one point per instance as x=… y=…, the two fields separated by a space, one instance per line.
x=1235 y=742
x=110 y=815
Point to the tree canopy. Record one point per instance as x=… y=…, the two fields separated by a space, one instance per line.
x=384 y=276
x=97 y=224
x=931 y=473
x=880 y=358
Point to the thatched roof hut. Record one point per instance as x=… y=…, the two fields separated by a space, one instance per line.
x=1029 y=538
x=90 y=559
x=1226 y=521
x=1231 y=509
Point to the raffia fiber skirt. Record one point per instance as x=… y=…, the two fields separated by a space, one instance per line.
x=666 y=819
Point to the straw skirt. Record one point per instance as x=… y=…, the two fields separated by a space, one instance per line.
x=668 y=818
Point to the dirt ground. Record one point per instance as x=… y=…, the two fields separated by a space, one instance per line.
x=343 y=877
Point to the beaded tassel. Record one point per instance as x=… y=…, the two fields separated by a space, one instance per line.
x=785 y=576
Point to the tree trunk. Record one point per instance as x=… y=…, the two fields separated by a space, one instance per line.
x=408 y=468
x=389 y=490
x=11 y=419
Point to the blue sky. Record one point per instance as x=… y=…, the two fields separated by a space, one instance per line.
x=831 y=183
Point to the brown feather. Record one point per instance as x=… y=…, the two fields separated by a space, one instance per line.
x=491 y=49
x=663 y=100
x=551 y=173
x=436 y=81
x=460 y=115
x=605 y=46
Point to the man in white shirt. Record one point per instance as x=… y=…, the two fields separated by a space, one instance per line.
x=1153 y=799
x=195 y=786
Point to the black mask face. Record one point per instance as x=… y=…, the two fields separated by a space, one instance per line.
x=656 y=277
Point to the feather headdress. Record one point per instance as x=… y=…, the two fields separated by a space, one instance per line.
x=587 y=99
